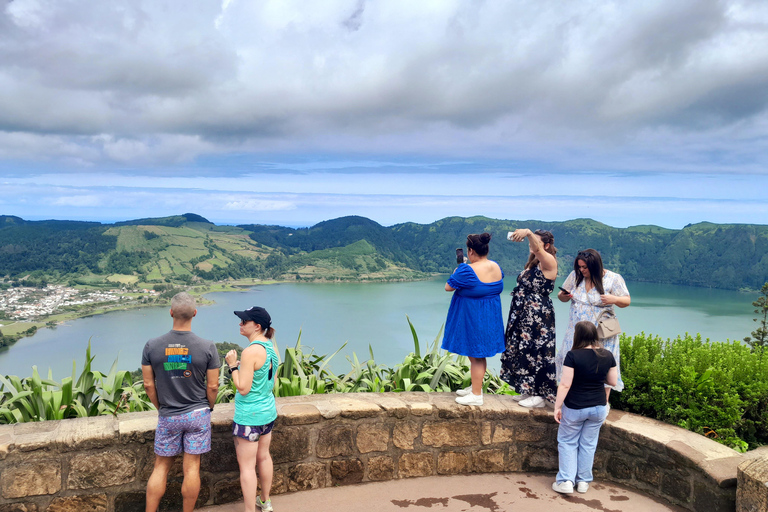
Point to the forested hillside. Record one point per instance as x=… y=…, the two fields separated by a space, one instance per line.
x=188 y=247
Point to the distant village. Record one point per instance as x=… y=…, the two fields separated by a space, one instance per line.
x=27 y=303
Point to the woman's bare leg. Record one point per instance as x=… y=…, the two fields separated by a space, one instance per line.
x=246 y=458
x=477 y=367
x=264 y=461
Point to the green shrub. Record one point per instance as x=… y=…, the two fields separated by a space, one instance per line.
x=717 y=389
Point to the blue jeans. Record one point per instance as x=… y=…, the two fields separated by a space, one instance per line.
x=577 y=440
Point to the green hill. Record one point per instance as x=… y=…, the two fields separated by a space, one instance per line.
x=188 y=248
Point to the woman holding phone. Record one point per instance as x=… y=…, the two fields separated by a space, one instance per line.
x=475 y=326
x=528 y=362
x=591 y=290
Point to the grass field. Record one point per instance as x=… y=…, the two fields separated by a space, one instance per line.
x=123 y=278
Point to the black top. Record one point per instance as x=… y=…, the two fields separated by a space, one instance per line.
x=589 y=372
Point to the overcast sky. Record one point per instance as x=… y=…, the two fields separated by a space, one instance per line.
x=289 y=112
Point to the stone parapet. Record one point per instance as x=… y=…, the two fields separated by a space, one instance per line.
x=102 y=464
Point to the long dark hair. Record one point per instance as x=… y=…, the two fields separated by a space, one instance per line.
x=479 y=243
x=584 y=335
x=595 y=266
x=546 y=238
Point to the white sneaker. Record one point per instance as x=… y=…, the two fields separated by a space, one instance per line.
x=518 y=398
x=264 y=506
x=582 y=487
x=470 y=399
x=563 y=487
x=465 y=391
x=532 y=402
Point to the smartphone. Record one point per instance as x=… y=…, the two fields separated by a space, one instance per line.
x=459 y=255
x=509 y=235
x=563 y=289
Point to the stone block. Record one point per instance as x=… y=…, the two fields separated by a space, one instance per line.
x=723 y=471
x=486 y=431
x=393 y=406
x=494 y=408
x=19 y=507
x=6 y=441
x=87 y=433
x=289 y=444
x=708 y=498
x=227 y=491
x=450 y=433
x=89 y=503
x=345 y=472
x=299 y=414
x=279 y=482
x=660 y=461
x=531 y=433
x=221 y=418
x=222 y=458
x=421 y=409
x=131 y=502
x=137 y=427
x=334 y=441
x=303 y=477
x=36 y=435
x=31 y=479
x=504 y=434
x=542 y=415
x=648 y=473
x=454 y=463
x=515 y=460
x=752 y=492
x=448 y=409
x=540 y=459
x=381 y=468
x=489 y=461
x=404 y=434
x=103 y=469
x=619 y=468
x=372 y=438
x=676 y=487
x=358 y=409
x=415 y=464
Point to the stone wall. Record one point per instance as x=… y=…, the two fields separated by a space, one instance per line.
x=102 y=464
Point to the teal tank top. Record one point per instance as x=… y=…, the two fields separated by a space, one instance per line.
x=258 y=407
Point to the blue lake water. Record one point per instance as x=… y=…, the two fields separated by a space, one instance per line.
x=328 y=315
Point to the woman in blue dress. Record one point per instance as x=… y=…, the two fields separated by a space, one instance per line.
x=475 y=326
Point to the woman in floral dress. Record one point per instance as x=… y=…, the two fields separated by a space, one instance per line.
x=528 y=363
x=592 y=290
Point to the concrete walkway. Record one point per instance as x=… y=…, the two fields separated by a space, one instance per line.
x=501 y=492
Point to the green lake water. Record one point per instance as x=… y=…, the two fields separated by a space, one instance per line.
x=328 y=315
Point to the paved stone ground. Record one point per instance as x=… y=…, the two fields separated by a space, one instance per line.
x=501 y=492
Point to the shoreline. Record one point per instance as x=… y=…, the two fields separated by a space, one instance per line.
x=19 y=329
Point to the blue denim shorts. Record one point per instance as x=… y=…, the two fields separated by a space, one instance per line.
x=250 y=433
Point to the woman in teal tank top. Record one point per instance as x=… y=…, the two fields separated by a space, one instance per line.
x=255 y=409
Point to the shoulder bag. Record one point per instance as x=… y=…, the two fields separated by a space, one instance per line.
x=607 y=324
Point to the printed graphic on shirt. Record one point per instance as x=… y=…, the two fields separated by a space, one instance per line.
x=177 y=361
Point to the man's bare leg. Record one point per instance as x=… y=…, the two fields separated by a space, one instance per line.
x=157 y=481
x=190 y=487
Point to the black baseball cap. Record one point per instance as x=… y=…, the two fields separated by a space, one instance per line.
x=256 y=314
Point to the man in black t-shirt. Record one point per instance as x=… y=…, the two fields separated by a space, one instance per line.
x=181 y=378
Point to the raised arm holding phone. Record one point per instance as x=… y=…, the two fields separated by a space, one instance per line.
x=528 y=362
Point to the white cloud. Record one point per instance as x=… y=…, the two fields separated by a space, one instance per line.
x=259 y=205
x=512 y=80
x=78 y=201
